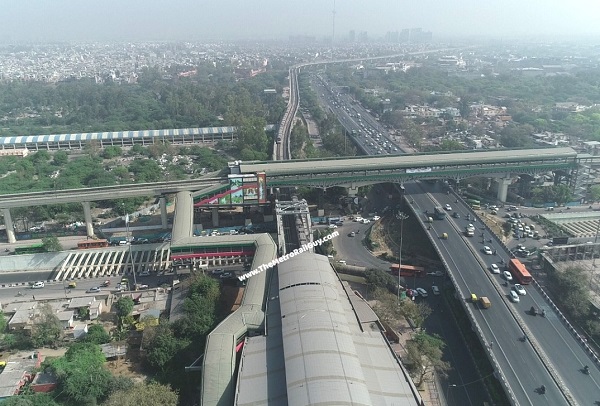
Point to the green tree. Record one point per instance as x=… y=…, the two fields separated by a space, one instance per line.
x=46 y=328
x=572 y=290
x=38 y=399
x=112 y=151
x=60 y=158
x=124 y=306
x=162 y=346
x=3 y=322
x=424 y=353
x=96 y=334
x=144 y=394
x=81 y=373
x=52 y=244
x=200 y=308
x=595 y=193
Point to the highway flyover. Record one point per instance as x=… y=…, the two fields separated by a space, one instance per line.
x=551 y=356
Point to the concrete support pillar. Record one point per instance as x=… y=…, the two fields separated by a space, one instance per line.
x=164 y=222
x=503 y=188
x=10 y=228
x=87 y=216
x=353 y=191
x=215 y=217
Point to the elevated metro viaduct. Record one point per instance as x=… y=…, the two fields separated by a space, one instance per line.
x=359 y=171
x=323 y=173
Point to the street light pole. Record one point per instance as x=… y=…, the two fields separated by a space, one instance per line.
x=452 y=385
x=128 y=238
x=400 y=216
x=594 y=247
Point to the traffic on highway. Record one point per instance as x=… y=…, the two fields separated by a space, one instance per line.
x=552 y=355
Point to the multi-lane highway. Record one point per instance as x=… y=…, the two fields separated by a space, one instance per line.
x=367 y=133
x=551 y=356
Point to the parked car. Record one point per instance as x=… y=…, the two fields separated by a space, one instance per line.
x=435 y=290
x=226 y=275
x=144 y=273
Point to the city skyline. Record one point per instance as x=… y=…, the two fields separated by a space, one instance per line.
x=136 y=20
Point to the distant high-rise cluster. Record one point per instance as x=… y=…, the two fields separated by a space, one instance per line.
x=405 y=36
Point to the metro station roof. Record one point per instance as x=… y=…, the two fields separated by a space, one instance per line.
x=333 y=354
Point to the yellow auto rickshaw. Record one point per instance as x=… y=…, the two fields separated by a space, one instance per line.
x=72 y=285
x=444 y=236
x=473 y=298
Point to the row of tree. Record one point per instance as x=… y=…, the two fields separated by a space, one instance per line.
x=213 y=97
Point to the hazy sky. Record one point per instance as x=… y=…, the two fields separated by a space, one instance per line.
x=49 y=20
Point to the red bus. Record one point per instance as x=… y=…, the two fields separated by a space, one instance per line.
x=519 y=272
x=84 y=245
x=408 y=270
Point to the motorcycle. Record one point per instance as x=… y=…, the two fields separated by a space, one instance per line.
x=586 y=370
x=533 y=311
x=542 y=389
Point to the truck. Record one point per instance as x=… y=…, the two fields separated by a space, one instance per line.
x=485 y=302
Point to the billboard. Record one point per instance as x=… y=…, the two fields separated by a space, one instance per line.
x=250 y=189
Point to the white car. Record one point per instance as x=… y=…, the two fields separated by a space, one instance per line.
x=375 y=218
x=366 y=221
x=422 y=292
x=507 y=276
x=514 y=296
x=332 y=226
x=487 y=250
x=520 y=289
x=447 y=207
x=494 y=268
x=435 y=290
x=37 y=285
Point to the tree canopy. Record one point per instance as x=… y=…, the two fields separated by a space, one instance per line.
x=143 y=394
x=81 y=373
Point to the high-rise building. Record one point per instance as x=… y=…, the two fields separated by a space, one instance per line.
x=404 y=36
x=392 y=36
x=352 y=36
x=418 y=36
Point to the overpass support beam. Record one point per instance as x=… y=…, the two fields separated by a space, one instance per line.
x=503 y=184
x=87 y=216
x=10 y=228
x=215 y=216
x=163 y=212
